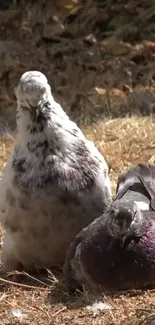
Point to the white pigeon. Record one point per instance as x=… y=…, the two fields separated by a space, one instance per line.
x=55 y=183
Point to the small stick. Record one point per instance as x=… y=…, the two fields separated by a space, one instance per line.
x=146 y=310
x=32 y=277
x=53 y=278
x=23 y=285
x=59 y=311
x=2 y=297
x=44 y=311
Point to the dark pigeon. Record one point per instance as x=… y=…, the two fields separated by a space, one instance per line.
x=117 y=250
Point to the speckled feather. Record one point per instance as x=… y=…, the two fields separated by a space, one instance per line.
x=55 y=183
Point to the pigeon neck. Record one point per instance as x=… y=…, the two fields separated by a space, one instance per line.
x=52 y=123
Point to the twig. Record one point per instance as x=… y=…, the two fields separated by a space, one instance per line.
x=59 y=311
x=31 y=277
x=2 y=297
x=44 y=311
x=53 y=279
x=146 y=310
x=23 y=285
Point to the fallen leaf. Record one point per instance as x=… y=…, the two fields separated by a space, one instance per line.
x=100 y=91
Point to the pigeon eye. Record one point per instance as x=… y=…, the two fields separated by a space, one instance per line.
x=119 y=222
x=135 y=212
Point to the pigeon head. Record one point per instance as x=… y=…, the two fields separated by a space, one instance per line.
x=125 y=217
x=32 y=90
x=32 y=86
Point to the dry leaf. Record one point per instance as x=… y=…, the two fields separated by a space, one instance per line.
x=100 y=91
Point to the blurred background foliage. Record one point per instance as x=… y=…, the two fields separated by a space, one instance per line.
x=99 y=56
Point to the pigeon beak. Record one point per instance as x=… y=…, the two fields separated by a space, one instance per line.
x=122 y=241
x=14 y=93
x=33 y=111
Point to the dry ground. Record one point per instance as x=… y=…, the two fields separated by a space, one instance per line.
x=123 y=142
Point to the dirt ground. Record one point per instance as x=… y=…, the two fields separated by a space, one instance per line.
x=123 y=142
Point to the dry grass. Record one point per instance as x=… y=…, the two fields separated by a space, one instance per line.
x=123 y=142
